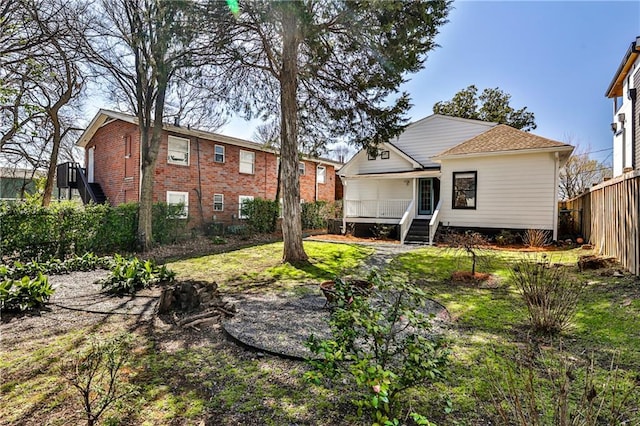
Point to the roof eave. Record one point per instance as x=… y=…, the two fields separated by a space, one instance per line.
x=562 y=149
x=615 y=88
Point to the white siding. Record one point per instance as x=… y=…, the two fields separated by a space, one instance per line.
x=513 y=191
x=361 y=164
x=435 y=134
x=377 y=189
x=622 y=145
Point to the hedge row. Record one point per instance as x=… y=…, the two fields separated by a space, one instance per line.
x=30 y=232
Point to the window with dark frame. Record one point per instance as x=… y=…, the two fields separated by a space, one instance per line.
x=384 y=155
x=372 y=155
x=465 y=189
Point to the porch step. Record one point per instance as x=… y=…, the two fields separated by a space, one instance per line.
x=418 y=232
x=99 y=193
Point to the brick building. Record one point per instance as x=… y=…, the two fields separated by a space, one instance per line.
x=211 y=174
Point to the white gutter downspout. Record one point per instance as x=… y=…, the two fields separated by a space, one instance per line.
x=555 y=198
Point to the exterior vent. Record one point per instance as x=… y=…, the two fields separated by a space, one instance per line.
x=621 y=117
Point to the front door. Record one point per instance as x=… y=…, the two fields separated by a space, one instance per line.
x=428 y=195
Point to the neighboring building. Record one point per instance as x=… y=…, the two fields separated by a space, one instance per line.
x=211 y=174
x=15 y=182
x=459 y=173
x=626 y=113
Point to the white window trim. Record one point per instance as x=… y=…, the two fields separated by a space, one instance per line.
x=185 y=196
x=241 y=200
x=178 y=162
x=221 y=202
x=324 y=174
x=302 y=168
x=224 y=154
x=253 y=162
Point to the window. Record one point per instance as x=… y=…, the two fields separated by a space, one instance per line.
x=301 y=168
x=218 y=202
x=247 y=161
x=241 y=200
x=384 y=155
x=372 y=155
x=465 y=190
x=218 y=155
x=179 y=198
x=178 y=151
x=321 y=174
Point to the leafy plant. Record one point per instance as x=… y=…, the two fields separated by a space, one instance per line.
x=382 y=341
x=536 y=238
x=96 y=374
x=550 y=294
x=131 y=275
x=314 y=215
x=505 y=238
x=86 y=262
x=24 y=294
x=261 y=214
x=382 y=231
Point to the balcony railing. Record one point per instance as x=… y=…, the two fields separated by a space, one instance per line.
x=383 y=209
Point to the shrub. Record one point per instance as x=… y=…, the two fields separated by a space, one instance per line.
x=381 y=341
x=87 y=262
x=552 y=388
x=536 y=238
x=469 y=243
x=168 y=224
x=131 y=275
x=550 y=294
x=315 y=215
x=261 y=215
x=381 y=231
x=96 y=374
x=24 y=294
x=505 y=238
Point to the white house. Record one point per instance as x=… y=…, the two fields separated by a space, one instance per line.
x=626 y=123
x=456 y=172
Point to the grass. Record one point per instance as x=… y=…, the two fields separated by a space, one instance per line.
x=241 y=270
x=184 y=377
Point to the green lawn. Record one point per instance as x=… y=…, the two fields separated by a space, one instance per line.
x=186 y=376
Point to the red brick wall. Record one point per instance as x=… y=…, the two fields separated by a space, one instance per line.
x=208 y=179
x=109 y=161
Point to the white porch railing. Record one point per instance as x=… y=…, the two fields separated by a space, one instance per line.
x=405 y=222
x=387 y=209
x=433 y=223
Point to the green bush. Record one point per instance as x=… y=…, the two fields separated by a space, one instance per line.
x=87 y=262
x=261 y=215
x=381 y=341
x=314 y=215
x=130 y=275
x=24 y=294
x=65 y=229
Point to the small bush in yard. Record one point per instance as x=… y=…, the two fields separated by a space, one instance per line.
x=382 y=342
x=469 y=243
x=24 y=294
x=131 y=275
x=536 y=238
x=550 y=294
x=552 y=388
x=96 y=374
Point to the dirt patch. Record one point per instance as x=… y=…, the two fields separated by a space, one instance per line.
x=478 y=280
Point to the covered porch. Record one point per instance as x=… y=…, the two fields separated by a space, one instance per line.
x=391 y=198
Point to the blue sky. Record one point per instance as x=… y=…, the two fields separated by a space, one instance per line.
x=556 y=58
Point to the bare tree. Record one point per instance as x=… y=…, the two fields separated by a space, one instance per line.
x=43 y=80
x=139 y=46
x=580 y=173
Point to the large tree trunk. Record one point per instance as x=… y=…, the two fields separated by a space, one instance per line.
x=53 y=160
x=145 y=207
x=291 y=221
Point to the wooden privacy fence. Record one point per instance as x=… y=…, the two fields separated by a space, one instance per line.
x=609 y=218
